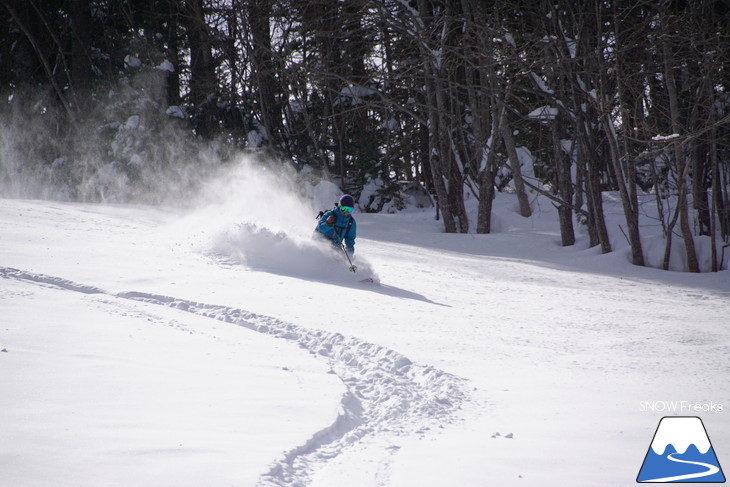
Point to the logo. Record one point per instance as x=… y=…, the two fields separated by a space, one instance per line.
x=680 y=452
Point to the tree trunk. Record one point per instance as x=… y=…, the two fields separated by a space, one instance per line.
x=43 y=61
x=594 y=196
x=436 y=58
x=486 y=180
x=514 y=160
x=720 y=193
x=203 y=83
x=631 y=211
x=682 y=164
x=81 y=73
x=564 y=186
x=436 y=163
x=622 y=159
x=173 y=54
x=715 y=188
x=700 y=114
x=580 y=78
x=262 y=65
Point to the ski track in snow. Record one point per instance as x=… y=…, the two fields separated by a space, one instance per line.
x=386 y=392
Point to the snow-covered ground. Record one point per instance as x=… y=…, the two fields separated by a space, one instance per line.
x=221 y=346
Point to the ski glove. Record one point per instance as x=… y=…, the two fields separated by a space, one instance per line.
x=331 y=220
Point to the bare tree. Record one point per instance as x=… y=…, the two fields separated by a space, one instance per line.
x=203 y=81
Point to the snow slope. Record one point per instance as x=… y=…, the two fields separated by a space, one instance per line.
x=221 y=346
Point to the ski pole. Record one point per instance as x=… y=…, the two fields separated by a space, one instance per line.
x=353 y=267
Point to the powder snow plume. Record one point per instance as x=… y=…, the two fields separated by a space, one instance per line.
x=261 y=216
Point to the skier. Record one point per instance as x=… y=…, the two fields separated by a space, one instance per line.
x=338 y=225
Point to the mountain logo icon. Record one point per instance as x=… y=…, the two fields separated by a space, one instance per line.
x=680 y=452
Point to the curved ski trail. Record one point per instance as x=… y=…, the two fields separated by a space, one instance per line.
x=386 y=392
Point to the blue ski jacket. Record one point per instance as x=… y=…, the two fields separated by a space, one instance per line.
x=344 y=229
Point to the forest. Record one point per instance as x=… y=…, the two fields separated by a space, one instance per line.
x=102 y=100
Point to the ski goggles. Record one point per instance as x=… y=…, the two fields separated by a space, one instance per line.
x=346 y=209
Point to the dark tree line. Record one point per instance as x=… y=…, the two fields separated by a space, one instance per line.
x=568 y=98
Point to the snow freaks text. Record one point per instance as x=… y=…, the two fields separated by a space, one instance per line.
x=681 y=407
